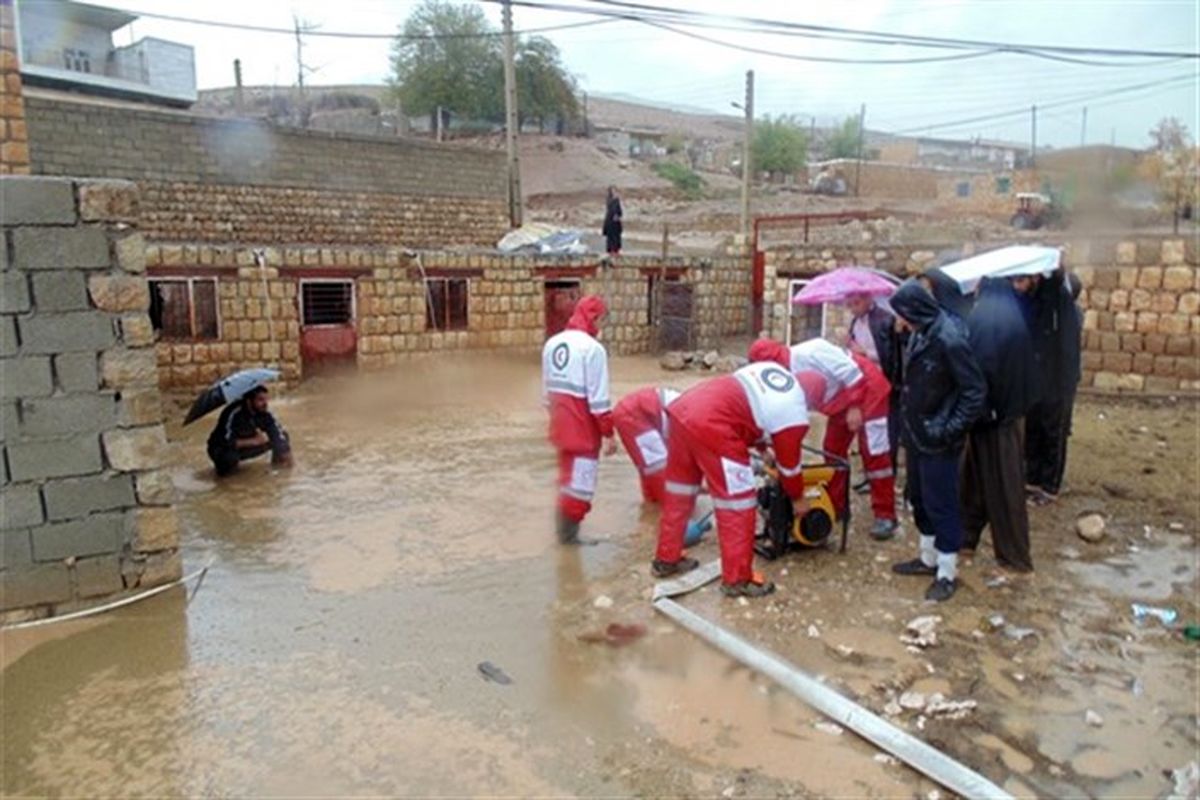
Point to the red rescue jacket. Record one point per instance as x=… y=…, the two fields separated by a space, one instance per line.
x=575 y=382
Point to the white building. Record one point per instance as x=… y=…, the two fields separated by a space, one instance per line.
x=68 y=45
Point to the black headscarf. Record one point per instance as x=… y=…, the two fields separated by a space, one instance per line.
x=947 y=293
x=914 y=304
x=1003 y=347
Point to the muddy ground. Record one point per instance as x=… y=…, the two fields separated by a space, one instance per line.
x=333 y=646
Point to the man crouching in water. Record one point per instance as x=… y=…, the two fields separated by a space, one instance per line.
x=246 y=430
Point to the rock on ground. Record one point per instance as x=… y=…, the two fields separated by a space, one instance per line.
x=1090 y=527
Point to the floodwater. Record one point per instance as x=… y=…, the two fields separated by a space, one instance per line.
x=333 y=647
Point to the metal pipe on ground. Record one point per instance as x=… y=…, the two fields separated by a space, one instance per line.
x=917 y=754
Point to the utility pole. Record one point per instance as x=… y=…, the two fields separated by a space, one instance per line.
x=239 y=100
x=510 y=119
x=1033 y=136
x=1083 y=129
x=301 y=68
x=587 y=128
x=862 y=121
x=747 y=159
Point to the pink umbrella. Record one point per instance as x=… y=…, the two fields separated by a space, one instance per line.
x=833 y=287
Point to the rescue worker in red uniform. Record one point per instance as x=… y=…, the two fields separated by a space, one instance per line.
x=575 y=388
x=713 y=427
x=641 y=421
x=852 y=392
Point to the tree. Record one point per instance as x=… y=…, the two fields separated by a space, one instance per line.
x=449 y=55
x=843 y=142
x=1174 y=164
x=544 y=87
x=445 y=57
x=780 y=146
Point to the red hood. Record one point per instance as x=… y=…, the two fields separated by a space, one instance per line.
x=587 y=311
x=770 y=350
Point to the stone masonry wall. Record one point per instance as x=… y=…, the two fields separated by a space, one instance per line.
x=506 y=303
x=238 y=181
x=1141 y=302
x=86 y=511
x=14 y=148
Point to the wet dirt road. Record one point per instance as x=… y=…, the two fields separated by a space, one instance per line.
x=332 y=649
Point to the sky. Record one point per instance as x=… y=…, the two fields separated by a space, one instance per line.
x=629 y=58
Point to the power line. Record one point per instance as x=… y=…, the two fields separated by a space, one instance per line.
x=354 y=35
x=895 y=38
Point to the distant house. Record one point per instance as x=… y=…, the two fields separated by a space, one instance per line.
x=971 y=153
x=68 y=45
x=631 y=142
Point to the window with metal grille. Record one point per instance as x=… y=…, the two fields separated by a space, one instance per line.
x=185 y=308
x=446 y=301
x=804 y=322
x=77 y=60
x=326 y=302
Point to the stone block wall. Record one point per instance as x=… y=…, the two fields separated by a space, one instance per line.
x=14 y=145
x=85 y=510
x=1141 y=301
x=239 y=181
x=259 y=306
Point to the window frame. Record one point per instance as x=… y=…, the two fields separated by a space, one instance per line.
x=190 y=281
x=351 y=322
x=431 y=318
x=794 y=286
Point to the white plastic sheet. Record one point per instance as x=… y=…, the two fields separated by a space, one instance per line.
x=1007 y=262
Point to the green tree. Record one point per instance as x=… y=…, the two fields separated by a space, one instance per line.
x=544 y=87
x=449 y=55
x=444 y=57
x=843 y=142
x=780 y=146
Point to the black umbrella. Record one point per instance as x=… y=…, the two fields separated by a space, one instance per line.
x=228 y=389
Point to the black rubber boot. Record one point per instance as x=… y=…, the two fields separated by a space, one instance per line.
x=668 y=569
x=568 y=530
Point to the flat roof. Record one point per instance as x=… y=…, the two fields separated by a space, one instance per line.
x=79 y=13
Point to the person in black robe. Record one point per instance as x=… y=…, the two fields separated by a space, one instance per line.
x=993 y=467
x=612 y=227
x=1059 y=329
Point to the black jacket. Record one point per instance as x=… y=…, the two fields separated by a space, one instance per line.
x=238 y=421
x=944 y=389
x=947 y=293
x=1003 y=346
x=888 y=344
x=612 y=217
x=1057 y=328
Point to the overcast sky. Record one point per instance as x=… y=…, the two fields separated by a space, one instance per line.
x=632 y=59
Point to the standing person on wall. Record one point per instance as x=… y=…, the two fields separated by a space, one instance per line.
x=575 y=389
x=612 y=227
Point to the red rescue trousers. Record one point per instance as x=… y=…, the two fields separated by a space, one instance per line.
x=641 y=441
x=875 y=449
x=726 y=468
x=576 y=483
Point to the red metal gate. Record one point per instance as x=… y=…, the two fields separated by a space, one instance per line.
x=327 y=332
x=561 y=297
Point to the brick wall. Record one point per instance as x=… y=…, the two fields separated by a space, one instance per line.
x=85 y=510
x=260 y=320
x=1141 y=301
x=14 y=149
x=234 y=181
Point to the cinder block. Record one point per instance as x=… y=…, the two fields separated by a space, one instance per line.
x=97 y=534
x=57 y=458
x=8 y=336
x=98 y=576
x=72 y=332
x=37 y=585
x=14 y=292
x=84 y=247
x=60 y=290
x=20 y=506
x=77 y=497
x=26 y=376
x=36 y=201
x=67 y=414
x=77 y=372
x=16 y=549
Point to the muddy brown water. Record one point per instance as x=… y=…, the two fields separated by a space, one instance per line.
x=333 y=647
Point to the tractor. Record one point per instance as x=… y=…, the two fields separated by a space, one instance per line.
x=1036 y=210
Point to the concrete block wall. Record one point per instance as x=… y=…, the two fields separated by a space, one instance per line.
x=85 y=510
x=260 y=315
x=238 y=181
x=14 y=144
x=1141 y=301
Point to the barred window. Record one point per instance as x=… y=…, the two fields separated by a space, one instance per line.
x=326 y=302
